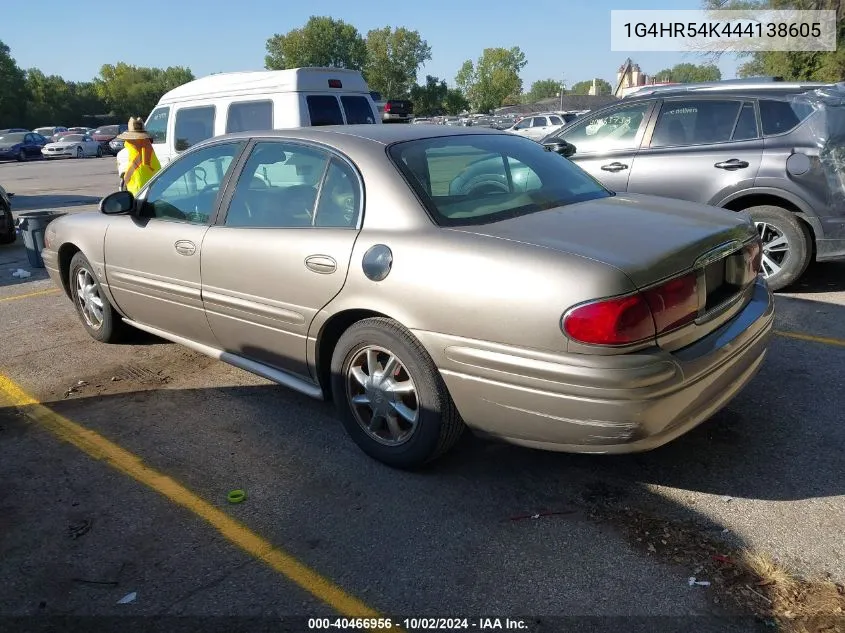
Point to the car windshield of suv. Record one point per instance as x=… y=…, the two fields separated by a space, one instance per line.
x=15 y=137
x=71 y=138
x=476 y=179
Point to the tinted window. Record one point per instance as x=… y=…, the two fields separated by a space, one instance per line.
x=778 y=117
x=156 y=124
x=187 y=189
x=278 y=187
x=340 y=199
x=695 y=122
x=611 y=131
x=468 y=180
x=324 y=110
x=555 y=120
x=249 y=115
x=193 y=125
x=357 y=110
x=539 y=121
x=746 y=125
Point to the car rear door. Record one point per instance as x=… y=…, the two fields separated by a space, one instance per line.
x=606 y=144
x=281 y=250
x=699 y=149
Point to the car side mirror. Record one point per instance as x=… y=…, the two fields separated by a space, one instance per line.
x=117 y=203
x=559 y=146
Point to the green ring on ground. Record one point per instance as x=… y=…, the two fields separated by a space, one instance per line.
x=236 y=496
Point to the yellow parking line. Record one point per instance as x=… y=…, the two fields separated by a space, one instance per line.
x=838 y=342
x=98 y=447
x=39 y=293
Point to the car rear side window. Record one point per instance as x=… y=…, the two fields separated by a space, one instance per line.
x=193 y=125
x=746 y=125
x=357 y=110
x=555 y=120
x=248 y=116
x=778 y=117
x=539 y=121
x=324 y=110
x=695 y=122
x=156 y=124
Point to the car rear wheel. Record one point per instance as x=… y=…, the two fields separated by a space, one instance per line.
x=391 y=397
x=787 y=247
x=98 y=316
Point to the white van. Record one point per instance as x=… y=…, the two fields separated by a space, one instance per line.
x=262 y=100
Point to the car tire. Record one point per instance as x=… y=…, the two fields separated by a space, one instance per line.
x=110 y=327
x=79 y=152
x=21 y=156
x=787 y=244
x=11 y=234
x=419 y=391
x=99 y=152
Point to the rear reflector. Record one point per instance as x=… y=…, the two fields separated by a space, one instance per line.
x=335 y=83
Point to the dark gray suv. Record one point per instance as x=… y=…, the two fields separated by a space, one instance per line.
x=771 y=150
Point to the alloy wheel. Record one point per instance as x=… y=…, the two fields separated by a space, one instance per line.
x=775 y=248
x=382 y=396
x=88 y=299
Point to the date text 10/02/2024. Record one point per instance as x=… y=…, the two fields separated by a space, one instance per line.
x=417 y=624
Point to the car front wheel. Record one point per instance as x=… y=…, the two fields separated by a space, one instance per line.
x=787 y=246
x=390 y=396
x=102 y=321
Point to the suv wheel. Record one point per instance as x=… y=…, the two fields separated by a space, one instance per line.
x=786 y=245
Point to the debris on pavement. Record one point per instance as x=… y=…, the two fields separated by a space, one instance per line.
x=236 y=496
x=701 y=583
x=76 y=530
x=75 y=388
x=727 y=499
x=129 y=597
x=21 y=273
x=522 y=517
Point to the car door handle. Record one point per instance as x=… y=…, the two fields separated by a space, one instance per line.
x=614 y=167
x=730 y=165
x=322 y=264
x=185 y=247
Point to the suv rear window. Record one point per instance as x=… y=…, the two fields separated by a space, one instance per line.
x=778 y=117
x=357 y=110
x=324 y=110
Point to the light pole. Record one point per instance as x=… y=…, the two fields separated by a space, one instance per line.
x=562 y=88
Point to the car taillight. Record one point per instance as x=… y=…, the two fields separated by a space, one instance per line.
x=743 y=267
x=634 y=318
x=387 y=107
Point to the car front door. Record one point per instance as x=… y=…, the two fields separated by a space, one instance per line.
x=31 y=145
x=523 y=127
x=280 y=252
x=606 y=143
x=539 y=128
x=152 y=258
x=700 y=149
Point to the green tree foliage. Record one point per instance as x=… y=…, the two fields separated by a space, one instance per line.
x=430 y=98
x=828 y=66
x=12 y=90
x=455 y=102
x=134 y=90
x=493 y=79
x=690 y=73
x=583 y=87
x=323 y=41
x=542 y=89
x=393 y=58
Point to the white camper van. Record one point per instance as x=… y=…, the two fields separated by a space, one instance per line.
x=262 y=100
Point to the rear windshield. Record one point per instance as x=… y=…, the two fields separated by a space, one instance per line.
x=324 y=110
x=467 y=180
x=357 y=110
x=778 y=117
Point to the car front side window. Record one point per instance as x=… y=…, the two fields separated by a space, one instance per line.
x=616 y=130
x=189 y=188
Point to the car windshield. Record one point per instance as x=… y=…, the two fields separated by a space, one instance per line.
x=71 y=138
x=14 y=137
x=474 y=179
x=44 y=131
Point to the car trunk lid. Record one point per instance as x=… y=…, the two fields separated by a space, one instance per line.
x=398 y=106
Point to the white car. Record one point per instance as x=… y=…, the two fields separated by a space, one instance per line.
x=537 y=126
x=74 y=146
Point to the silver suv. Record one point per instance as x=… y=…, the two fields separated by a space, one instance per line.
x=774 y=150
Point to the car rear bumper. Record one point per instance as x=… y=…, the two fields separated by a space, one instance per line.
x=602 y=404
x=388 y=117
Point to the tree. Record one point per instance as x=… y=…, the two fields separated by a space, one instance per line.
x=583 y=87
x=393 y=58
x=542 y=89
x=687 y=73
x=12 y=90
x=493 y=78
x=135 y=90
x=455 y=102
x=323 y=41
x=827 y=66
x=430 y=98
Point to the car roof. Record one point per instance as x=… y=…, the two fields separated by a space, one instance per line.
x=773 y=89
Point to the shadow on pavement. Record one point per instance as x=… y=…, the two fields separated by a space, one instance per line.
x=34 y=202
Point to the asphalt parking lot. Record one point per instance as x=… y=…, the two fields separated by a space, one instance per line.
x=117 y=461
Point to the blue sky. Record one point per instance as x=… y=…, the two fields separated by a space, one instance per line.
x=562 y=39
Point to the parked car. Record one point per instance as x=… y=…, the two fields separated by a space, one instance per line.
x=398 y=111
x=115 y=145
x=537 y=126
x=50 y=131
x=73 y=146
x=105 y=134
x=755 y=147
x=20 y=145
x=13 y=129
x=80 y=130
x=578 y=319
x=8 y=233
x=264 y=100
